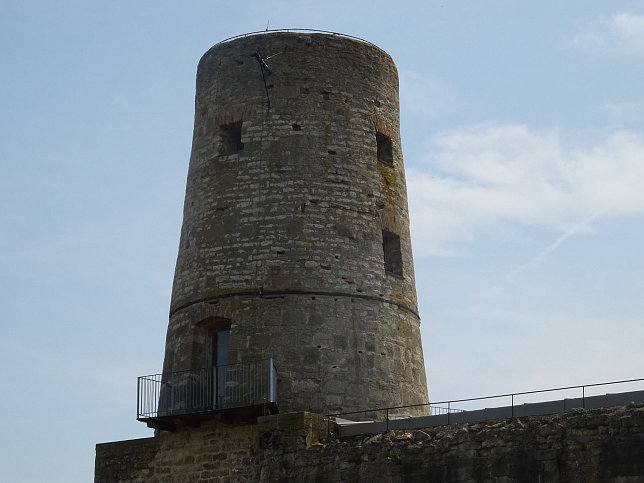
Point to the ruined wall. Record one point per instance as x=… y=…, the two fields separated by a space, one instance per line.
x=295 y=225
x=599 y=445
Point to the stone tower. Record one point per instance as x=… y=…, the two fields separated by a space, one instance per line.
x=295 y=242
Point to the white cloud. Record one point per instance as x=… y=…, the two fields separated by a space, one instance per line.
x=622 y=33
x=480 y=176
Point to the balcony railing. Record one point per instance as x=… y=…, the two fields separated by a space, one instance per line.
x=188 y=394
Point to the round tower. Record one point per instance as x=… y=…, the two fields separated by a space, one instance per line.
x=295 y=241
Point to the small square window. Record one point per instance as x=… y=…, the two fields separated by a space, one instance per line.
x=392 y=253
x=385 y=150
x=230 y=138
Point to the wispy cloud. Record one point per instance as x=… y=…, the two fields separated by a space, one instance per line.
x=477 y=177
x=621 y=33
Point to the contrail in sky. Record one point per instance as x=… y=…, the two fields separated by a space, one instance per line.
x=541 y=256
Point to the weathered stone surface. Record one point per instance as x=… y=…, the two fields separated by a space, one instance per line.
x=284 y=236
x=599 y=445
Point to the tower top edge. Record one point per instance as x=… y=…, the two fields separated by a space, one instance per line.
x=297 y=31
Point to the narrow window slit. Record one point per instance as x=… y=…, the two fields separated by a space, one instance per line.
x=392 y=253
x=385 y=150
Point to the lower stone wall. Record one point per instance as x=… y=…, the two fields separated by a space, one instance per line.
x=600 y=445
x=212 y=452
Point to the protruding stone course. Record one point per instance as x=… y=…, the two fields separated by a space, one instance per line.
x=581 y=446
x=296 y=225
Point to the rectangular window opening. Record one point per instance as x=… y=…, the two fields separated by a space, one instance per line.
x=385 y=150
x=230 y=137
x=392 y=253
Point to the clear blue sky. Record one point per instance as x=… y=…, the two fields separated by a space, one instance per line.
x=523 y=138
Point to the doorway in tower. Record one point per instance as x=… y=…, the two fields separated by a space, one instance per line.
x=219 y=344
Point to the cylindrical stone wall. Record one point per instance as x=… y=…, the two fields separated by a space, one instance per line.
x=295 y=227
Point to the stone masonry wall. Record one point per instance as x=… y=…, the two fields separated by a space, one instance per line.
x=600 y=445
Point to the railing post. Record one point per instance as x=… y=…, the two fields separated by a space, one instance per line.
x=512 y=409
x=448 y=411
x=271 y=381
x=387 y=415
x=583 y=397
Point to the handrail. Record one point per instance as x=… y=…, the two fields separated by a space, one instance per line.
x=449 y=403
x=582 y=387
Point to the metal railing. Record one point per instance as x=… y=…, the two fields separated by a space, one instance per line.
x=513 y=396
x=296 y=30
x=209 y=389
x=447 y=408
